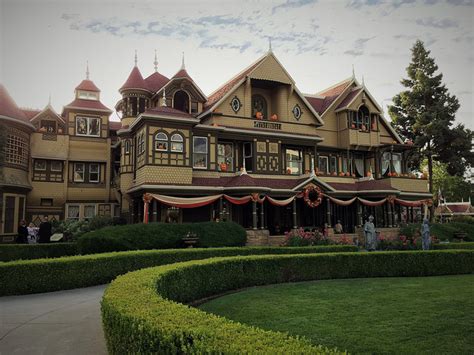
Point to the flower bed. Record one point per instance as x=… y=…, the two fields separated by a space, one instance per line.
x=142 y=311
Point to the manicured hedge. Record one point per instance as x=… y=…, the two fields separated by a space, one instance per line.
x=160 y=236
x=467 y=245
x=45 y=275
x=141 y=313
x=10 y=252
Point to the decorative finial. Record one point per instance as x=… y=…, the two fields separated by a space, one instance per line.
x=49 y=99
x=136 y=58
x=87 y=70
x=353 y=72
x=363 y=82
x=156 y=62
x=243 y=171
x=164 y=98
x=270 y=44
x=182 y=62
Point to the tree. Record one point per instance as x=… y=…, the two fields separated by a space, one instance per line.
x=453 y=188
x=424 y=113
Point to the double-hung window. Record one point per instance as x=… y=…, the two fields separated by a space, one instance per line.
x=79 y=172
x=294 y=164
x=88 y=126
x=200 y=152
x=94 y=172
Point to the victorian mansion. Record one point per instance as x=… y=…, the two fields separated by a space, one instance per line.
x=256 y=151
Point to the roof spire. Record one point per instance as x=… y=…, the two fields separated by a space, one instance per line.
x=136 y=58
x=87 y=69
x=49 y=99
x=164 y=98
x=353 y=72
x=156 y=62
x=269 y=44
x=363 y=82
x=182 y=62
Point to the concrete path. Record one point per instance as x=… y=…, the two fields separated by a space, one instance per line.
x=64 y=322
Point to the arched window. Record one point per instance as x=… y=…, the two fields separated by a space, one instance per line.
x=161 y=142
x=259 y=107
x=177 y=143
x=363 y=122
x=181 y=101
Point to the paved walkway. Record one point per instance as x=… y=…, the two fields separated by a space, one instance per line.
x=64 y=322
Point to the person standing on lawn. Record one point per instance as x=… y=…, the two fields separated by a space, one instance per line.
x=45 y=231
x=425 y=234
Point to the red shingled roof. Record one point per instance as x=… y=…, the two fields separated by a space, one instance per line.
x=30 y=113
x=328 y=96
x=224 y=89
x=9 y=108
x=369 y=185
x=167 y=111
x=115 y=125
x=247 y=181
x=156 y=81
x=182 y=73
x=317 y=103
x=87 y=104
x=87 y=85
x=459 y=208
x=135 y=81
x=348 y=98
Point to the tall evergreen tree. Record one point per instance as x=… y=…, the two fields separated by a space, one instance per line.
x=424 y=113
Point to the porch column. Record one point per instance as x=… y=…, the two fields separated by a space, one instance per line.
x=376 y=173
x=394 y=223
x=139 y=212
x=359 y=213
x=220 y=208
x=155 y=211
x=389 y=214
x=254 y=214
x=328 y=213
x=295 y=224
x=262 y=216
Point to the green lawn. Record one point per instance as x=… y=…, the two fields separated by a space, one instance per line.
x=379 y=315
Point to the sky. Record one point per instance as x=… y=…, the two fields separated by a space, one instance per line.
x=44 y=45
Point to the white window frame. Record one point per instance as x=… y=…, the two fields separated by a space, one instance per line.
x=163 y=139
x=299 y=161
x=127 y=147
x=97 y=172
x=246 y=156
x=206 y=153
x=229 y=161
x=88 y=125
x=83 y=172
x=177 y=139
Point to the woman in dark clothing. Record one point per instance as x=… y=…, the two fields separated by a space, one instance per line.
x=22 y=233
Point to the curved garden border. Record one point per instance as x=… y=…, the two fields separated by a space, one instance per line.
x=46 y=275
x=141 y=313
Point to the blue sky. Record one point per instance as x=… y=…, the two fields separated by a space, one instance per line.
x=45 y=44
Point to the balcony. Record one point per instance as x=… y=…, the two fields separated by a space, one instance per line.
x=408 y=184
x=354 y=137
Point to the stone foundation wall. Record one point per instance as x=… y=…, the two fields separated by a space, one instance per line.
x=257 y=237
x=276 y=240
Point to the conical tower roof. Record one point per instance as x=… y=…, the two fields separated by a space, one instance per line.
x=135 y=81
x=156 y=81
x=8 y=106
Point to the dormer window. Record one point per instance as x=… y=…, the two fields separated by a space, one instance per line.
x=87 y=95
x=48 y=126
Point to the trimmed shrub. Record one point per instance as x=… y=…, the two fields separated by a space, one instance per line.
x=458 y=246
x=45 y=275
x=160 y=236
x=442 y=231
x=10 y=252
x=141 y=313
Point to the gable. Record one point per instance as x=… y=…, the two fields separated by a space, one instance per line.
x=271 y=69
